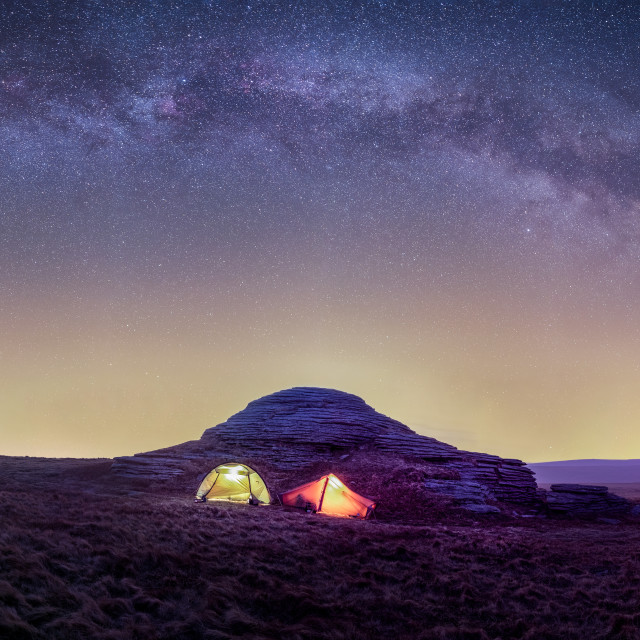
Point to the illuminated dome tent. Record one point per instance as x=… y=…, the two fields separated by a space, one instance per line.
x=235 y=482
x=331 y=496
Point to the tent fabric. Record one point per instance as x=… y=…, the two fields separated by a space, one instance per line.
x=235 y=482
x=329 y=495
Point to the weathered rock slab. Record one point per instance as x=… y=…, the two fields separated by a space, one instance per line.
x=471 y=496
x=585 y=500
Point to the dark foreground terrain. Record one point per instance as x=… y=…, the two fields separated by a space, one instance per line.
x=80 y=560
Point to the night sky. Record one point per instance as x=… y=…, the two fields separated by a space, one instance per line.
x=432 y=205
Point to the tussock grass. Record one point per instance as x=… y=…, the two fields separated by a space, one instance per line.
x=76 y=564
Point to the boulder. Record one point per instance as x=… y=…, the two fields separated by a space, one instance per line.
x=469 y=495
x=585 y=500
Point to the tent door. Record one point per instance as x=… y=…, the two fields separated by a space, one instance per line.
x=326 y=482
x=204 y=497
x=251 y=499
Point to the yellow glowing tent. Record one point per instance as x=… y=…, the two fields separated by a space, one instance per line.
x=331 y=496
x=235 y=482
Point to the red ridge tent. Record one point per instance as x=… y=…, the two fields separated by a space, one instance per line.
x=329 y=495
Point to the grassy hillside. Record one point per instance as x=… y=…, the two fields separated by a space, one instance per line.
x=89 y=564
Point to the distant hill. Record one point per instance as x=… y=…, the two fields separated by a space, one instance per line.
x=586 y=471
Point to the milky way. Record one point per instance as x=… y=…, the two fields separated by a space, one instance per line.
x=433 y=205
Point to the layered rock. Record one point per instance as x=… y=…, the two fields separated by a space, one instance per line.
x=305 y=415
x=585 y=500
x=470 y=495
x=295 y=428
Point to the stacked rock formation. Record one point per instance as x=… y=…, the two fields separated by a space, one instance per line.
x=470 y=495
x=295 y=428
x=585 y=500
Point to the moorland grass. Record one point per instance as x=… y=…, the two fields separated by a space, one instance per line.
x=76 y=564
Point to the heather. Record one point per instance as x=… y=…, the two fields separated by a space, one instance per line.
x=80 y=559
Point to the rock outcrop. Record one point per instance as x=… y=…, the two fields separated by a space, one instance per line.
x=585 y=500
x=293 y=429
x=470 y=495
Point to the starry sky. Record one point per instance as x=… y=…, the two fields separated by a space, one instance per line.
x=432 y=205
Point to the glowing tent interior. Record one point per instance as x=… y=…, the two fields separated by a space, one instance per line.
x=329 y=495
x=235 y=482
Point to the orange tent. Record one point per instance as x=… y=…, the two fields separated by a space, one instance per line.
x=331 y=496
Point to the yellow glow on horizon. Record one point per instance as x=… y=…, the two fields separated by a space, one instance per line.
x=91 y=381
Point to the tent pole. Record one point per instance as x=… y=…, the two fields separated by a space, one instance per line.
x=326 y=482
x=249 y=481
